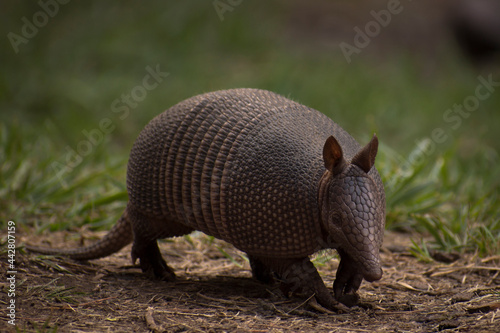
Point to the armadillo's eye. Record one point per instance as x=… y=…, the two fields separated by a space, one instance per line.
x=335 y=217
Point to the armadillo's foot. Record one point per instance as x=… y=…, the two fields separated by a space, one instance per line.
x=151 y=261
x=260 y=271
x=300 y=276
x=347 y=281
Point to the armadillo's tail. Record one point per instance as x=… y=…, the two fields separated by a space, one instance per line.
x=119 y=236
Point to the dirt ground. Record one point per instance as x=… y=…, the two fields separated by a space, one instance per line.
x=213 y=294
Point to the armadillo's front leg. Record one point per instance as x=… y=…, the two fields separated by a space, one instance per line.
x=300 y=275
x=347 y=281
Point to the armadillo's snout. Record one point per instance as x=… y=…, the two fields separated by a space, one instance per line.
x=370 y=266
x=373 y=275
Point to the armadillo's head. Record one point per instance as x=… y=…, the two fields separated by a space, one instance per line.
x=353 y=216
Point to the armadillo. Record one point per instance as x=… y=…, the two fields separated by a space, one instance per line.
x=276 y=179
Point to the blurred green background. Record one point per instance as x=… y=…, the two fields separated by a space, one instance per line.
x=64 y=79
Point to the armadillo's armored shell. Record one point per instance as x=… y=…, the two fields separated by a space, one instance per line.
x=242 y=165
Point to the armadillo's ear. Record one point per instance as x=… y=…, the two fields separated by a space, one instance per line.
x=333 y=155
x=365 y=158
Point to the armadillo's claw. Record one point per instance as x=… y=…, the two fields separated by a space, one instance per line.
x=333 y=307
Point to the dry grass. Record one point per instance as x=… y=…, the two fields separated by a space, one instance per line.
x=215 y=295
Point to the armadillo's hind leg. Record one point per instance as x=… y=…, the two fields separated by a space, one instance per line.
x=145 y=247
x=150 y=259
x=146 y=232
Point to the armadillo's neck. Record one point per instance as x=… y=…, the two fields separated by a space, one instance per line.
x=322 y=194
x=322 y=187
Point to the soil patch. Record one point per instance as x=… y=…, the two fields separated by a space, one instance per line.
x=214 y=294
